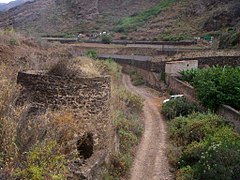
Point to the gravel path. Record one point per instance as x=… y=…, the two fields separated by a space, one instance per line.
x=150 y=162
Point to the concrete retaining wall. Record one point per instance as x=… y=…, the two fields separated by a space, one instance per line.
x=230 y=115
x=181 y=87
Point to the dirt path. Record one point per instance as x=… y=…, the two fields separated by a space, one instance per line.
x=150 y=162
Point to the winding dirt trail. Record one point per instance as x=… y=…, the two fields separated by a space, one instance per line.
x=150 y=162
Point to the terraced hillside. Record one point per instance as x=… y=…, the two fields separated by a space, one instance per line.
x=137 y=19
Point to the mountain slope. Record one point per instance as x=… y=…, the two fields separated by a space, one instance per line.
x=70 y=16
x=139 y=19
x=7 y=6
x=186 y=18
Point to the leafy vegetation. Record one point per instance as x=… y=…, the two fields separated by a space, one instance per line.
x=209 y=148
x=177 y=107
x=128 y=24
x=44 y=161
x=229 y=39
x=216 y=85
x=137 y=79
x=129 y=131
x=106 y=39
x=188 y=75
x=92 y=54
x=195 y=127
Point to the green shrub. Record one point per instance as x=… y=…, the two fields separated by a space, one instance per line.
x=129 y=131
x=106 y=39
x=120 y=164
x=195 y=127
x=92 y=54
x=177 y=107
x=186 y=173
x=221 y=157
x=44 y=161
x=136 y=78
x=218 y=85
x=128 y=24
x=216 y=157
x=13 y=42
x=209 y=148
x=188 y=75
x=229 y=39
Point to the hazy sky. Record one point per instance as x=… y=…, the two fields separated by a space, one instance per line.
x=5 y=1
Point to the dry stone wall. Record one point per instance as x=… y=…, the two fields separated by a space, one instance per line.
x=90 y=95
x=87 y=97
x=233 y=61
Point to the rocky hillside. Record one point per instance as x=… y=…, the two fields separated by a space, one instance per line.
x=139 y=19
x=7 y=6
x=70 y=16
x=188 y=18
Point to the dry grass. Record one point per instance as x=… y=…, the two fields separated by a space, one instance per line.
x=9 y=116
x=63 y=127
x=79 y=66
x=10 y=37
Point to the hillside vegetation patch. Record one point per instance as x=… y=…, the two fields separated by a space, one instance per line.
x=203 y=146
x=129 y=24
x=216 y=85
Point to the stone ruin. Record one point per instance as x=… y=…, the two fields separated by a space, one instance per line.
x=88 y=95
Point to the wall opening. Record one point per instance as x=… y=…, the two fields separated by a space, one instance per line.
x=85 y=146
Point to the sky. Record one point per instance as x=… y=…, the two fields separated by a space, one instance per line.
x=5 y=1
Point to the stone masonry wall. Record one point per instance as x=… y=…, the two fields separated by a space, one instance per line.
x=87 y=96
x=233 y=61
x=159 y=67
x=90 y=95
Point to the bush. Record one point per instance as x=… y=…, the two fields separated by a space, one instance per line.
x=92 y=54
x=209 y=149
x=129 y=131
x=216 y=157
x=229 y=39
x=186 y=173
x=195 y=127
x=106 y=39
x=44 y=161
x=188 y=75
x=120 y=164
x=177 y=107
x=218 y=85
x=13 y=42
x=136 y=78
